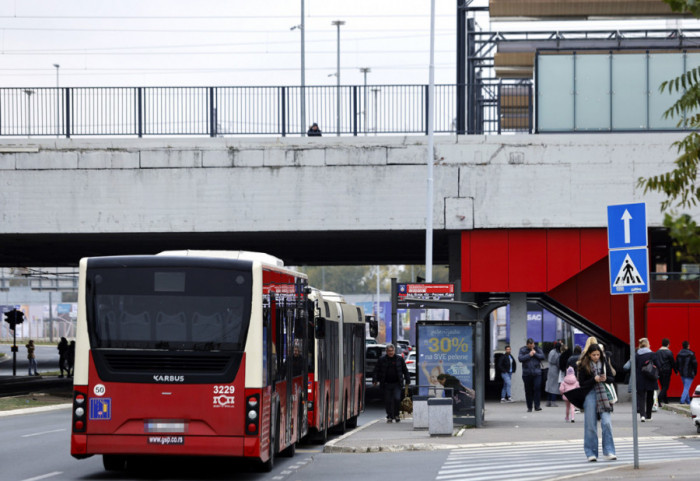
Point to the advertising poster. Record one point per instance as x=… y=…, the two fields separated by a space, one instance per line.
x=444 y=348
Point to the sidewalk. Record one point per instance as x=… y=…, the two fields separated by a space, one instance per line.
x=510 y=424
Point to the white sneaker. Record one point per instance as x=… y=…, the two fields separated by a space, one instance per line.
x=592 y=459
x=643 y=419
x=503 y=400
x=610 y=457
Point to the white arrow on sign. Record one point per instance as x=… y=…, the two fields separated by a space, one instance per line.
x=626 y=217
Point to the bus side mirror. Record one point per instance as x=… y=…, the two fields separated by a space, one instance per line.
x=320 y=328
x=373 y=326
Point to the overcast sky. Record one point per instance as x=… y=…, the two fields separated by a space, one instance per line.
x=229 y=42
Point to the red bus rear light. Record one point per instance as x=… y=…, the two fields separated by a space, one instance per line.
x=79 y=411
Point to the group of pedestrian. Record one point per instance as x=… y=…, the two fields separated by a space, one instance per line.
x=654 y=371
x=66 y=357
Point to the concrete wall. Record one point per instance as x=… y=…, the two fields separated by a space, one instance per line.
x=323 y=184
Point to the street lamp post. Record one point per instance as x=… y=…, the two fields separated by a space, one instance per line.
x=29 y=93
x=302 y=110
x=365 y=71
x=338 y=23
x=58 y=103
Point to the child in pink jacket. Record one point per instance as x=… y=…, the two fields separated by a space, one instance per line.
x=568 y=383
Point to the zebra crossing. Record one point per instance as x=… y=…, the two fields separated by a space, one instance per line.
x=554 y=459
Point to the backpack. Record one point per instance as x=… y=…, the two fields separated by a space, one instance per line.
x=650 y=371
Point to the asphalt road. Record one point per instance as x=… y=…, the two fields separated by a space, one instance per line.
x=39 y=447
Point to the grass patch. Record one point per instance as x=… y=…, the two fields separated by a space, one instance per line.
x=32 y=401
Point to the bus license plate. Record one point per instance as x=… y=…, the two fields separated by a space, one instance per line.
x=166 y=440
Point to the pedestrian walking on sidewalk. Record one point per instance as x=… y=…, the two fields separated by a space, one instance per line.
x=645 y=385
x=507 y=366
x=32 y=358
x=531 y=356
x=391 y=372
x=667 y=366
x=592 y=375
x=687 y=365
x=567 y=384
x=552 y=385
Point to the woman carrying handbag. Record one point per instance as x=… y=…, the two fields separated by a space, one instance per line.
x=592 y=377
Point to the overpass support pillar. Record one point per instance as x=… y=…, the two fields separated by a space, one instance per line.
x=518 y=336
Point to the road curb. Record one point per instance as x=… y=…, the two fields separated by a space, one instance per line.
x=41 y=409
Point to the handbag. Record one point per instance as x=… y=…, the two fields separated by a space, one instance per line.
x=610 y=390
x=406 y=402
x=650 y=371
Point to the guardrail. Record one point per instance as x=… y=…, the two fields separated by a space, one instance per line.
x=496 y=106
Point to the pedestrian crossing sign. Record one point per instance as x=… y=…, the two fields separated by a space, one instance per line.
x=629 y=271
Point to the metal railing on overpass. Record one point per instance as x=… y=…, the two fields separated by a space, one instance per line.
x=498 y=106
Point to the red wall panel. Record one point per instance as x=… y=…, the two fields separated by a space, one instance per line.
x=674 y=321
x=594 y=246
x=489 y=261
x=563 y=256
x=466 y=247
x=527 y=260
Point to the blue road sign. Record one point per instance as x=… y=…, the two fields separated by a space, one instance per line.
x=627 y=226
x=629 y=271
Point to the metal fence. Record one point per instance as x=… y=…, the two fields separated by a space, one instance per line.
x=223 y=111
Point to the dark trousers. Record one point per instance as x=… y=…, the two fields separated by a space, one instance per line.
x=533 y=390
x=664 y=380
x=645 y=401
x=392 y=398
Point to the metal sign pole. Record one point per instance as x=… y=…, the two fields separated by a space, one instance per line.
x=633 y=380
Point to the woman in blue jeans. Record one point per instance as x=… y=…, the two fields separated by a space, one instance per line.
x=593 y=371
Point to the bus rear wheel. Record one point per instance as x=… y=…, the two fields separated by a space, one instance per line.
x=114 y=462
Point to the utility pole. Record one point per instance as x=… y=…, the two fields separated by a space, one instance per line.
x=58 y=103
x=338 y=24
x=365 y=71
x=431 y=155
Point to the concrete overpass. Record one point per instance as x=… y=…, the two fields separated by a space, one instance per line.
x=309 y=201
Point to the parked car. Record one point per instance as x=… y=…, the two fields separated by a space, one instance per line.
x=695 y=408
x=372 y=354
x=411 y=363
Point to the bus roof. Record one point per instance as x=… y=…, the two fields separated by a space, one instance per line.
x=237 y=255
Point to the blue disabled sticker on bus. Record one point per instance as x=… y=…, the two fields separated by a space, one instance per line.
x=101 y=408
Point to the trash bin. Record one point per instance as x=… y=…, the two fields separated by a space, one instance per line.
x=440 y=416
x=420 y=412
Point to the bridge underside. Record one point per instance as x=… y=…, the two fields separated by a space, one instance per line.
x=295 y=248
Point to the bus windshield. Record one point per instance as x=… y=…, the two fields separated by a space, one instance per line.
x=168 y=308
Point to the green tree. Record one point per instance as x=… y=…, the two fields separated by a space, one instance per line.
x=679 y=185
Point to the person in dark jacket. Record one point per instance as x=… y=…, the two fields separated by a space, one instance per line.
x=391 y=372
x=667 y=365
x=507 y=367
x=573 y=359
x=63 y=355
x=531 y=356
x=645 y=386
x=593 y=372
x=564 y=358
x=687 y=366
x=314 y=131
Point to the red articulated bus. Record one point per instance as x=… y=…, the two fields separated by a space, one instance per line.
x=189 y=353
x=337 y=374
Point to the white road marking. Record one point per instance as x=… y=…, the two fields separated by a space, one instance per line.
x=44 y=476
x=43 y=432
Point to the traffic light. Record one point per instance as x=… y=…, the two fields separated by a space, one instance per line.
x=14 y=317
